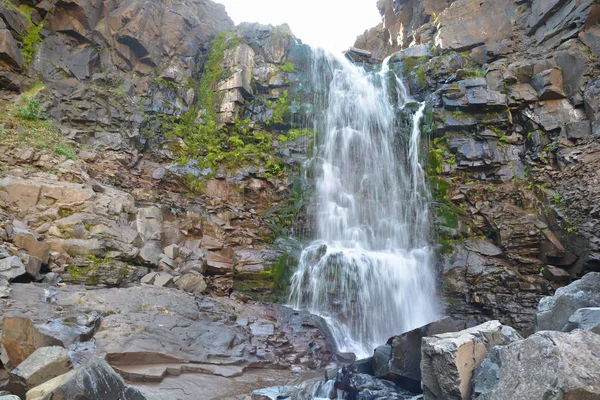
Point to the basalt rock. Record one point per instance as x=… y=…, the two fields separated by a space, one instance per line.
x=450 y=359
x=550 y=365
x=554 y=312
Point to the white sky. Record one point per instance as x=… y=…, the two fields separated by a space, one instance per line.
x=331 y=24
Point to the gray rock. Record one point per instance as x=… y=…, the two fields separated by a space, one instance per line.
x=192 y=283
x=159 y=173
x=549 y=84
x=11 y=268
x=400 y=359
x=585 y=318
x=44 y=364
x=4 y=288
x=553 y=312
x=93 y=381
x=547 y=365
x=449 y=359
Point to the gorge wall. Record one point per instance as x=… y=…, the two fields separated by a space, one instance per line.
x=513 y=122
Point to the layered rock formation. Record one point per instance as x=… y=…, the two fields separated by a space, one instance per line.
x=512 y=122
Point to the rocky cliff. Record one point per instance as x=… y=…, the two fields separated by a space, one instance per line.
x=512 y=94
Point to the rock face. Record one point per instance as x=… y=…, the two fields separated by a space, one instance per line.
x=547 y=365
x=554 y=312
x=94 y=381
x=586 y=319
x=449 y=359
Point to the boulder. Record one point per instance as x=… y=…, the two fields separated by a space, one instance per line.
x=29 y=242
x=44 y=364
x=449 y=359
x=21 y=338
x=192 y=283
x=12 y=268
x=400 y=359
x=547 y=365
x=94 y=381
x=585 y=318
x=10 y=55
x=553 y=312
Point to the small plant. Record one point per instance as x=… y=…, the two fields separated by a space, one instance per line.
x=30 y=109
x=65 y=149
x=288 y=67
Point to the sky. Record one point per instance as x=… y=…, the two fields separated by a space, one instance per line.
x=331 y=24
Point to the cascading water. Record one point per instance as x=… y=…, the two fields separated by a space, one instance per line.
x=369 y=272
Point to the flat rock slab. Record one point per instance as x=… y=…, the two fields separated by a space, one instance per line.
x=149 y=325
x=157 y=372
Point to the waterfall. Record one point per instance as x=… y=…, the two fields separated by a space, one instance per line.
x=369 y=274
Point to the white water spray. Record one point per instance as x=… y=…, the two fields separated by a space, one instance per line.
x=369 y=273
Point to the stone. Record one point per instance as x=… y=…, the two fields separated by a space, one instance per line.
x=400 y=359
x=555 y=274
x=159 y=173
x=449 y=359
x=549 y=84
x=94 y=381
x=12 y=268
x=4 y=288
x=584 y=318
x=163 y=279
x=219 y=263
x=33 y=267
x=148 y=279
x=172 y=251
x=553 y=312
x=192 y=283
x=10 y=55
x=42 y=365
x=21 y=338
x=579 y=130
x=466 y=24
x=28 y=241
x=546 y=365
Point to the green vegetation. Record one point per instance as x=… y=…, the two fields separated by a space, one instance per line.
x=288 y=67
x=31 y=39
x=65 y=149
x=281 y=109
x=476 y=72
x=29 y=108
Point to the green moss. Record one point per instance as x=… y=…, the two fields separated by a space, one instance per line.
x=288 y=67
x=31 y=39
x=281 y=109
x=65 y=149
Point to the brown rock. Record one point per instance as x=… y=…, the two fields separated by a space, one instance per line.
x=20 y=338
x=10 y=56
x=192 y=283
x=27 y=241
x=549 y=84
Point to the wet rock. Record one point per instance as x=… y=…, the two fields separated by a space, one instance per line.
x=554 y=311
x=549 y=365
x=93 y=381
x=361 y=386
x=44 y=364
x=586 y=319
x=449 y=359
x=279 y=392
x=12 y=268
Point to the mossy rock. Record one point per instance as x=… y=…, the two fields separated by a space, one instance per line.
x=101 y=271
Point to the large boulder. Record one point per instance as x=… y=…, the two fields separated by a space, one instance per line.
x=12 y=268
x=41 y=366
x=93 y=381
x=449 y=359
x=400 y=359
x=553 y=312
x=21 y=338
x=547 y=365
